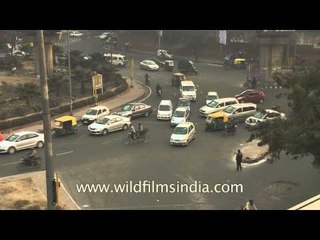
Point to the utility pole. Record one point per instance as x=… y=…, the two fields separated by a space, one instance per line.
x=46 y=123
x=69 y=73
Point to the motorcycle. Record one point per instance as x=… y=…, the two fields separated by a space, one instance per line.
x=159 y=92
x=27 y=163
x=138 y=137
x=231 y=129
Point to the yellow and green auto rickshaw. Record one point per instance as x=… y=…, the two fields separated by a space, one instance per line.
x=240 y=63
x=216 y=121
x=65 y=125
x=177 y=78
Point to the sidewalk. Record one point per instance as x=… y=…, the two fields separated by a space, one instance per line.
x=39 y=178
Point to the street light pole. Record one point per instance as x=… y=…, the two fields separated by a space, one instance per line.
x=46 y=123
x=69 y=73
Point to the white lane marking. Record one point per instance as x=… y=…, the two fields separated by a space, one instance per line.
x=114 y=140
x=83 y=135
x=148 y=94
x=64 y=153
x=215 y=65
x=5 y=164
x=109 y=141
x=66 y=192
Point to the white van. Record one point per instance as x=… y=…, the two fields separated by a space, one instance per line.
x=117 y=59
x=188 y=90
x=165 y=109
x=241 y=111
x=217 y=105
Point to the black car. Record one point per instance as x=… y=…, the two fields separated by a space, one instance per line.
x=134 y=110
x=186 y=66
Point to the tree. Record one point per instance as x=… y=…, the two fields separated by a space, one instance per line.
x=27 y=92
x=299 y=135
x=57 y=83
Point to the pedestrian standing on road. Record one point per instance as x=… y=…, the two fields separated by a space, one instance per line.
x=147 y=79
x=239 y=160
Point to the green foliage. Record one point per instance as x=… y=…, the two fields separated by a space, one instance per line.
x=28 y=92
x=299 y=135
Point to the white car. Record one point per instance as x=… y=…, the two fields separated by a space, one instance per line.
x=94 y=113
x=164 y=54
x=262 y=116
x=165 y=110
x=184 y=103
x=183 y=133
x=180 y=115
x=21 y=140
x=108 y=124
x=149 y=65
x=211 y=96
x=105 y=35
x=75 y=34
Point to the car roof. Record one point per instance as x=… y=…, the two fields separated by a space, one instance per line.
x=219 y=100
x=98 y=107
x=187 y=83
x=182 y=109
x=243 y=105
x=165 y=102
x=111 y=116
x=212 y=93
x=184 y=99
x=24 y=132
x=187 y=124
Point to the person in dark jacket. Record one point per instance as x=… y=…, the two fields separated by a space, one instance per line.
x=239 y=160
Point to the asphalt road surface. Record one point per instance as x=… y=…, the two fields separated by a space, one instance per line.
x=209 y=159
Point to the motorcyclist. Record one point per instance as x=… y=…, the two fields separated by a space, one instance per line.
x=231 y=125
x=140 y=129
x=158 y=89
x=147 y=79
x=31 y=159
x=133 y=132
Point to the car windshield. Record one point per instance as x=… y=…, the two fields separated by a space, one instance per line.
x=212 y=104
x=188 y=88
x=180 y=130
x=164 y=108
x=103 y=121
x=211 y=97
x=229 y=109
x=91 y=112
x=260 y=114
x=127 y=107
x=12 y=137
x=178 y=114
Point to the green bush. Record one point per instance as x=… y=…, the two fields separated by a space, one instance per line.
x=17 y=121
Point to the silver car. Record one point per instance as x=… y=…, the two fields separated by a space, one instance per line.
x=108 y=124
x=21 y=140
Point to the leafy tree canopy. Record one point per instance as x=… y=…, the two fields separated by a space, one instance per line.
x=299 y=134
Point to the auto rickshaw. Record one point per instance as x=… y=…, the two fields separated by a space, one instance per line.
x=177 y=78
x=65 y=125
x=168 y=65
x=216 y=121
x=240 y=63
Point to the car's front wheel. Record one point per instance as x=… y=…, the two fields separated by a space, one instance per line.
x=125 y=127
x=147 y=114
x=104 y=132
x=40 y=144
x=11 y=150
